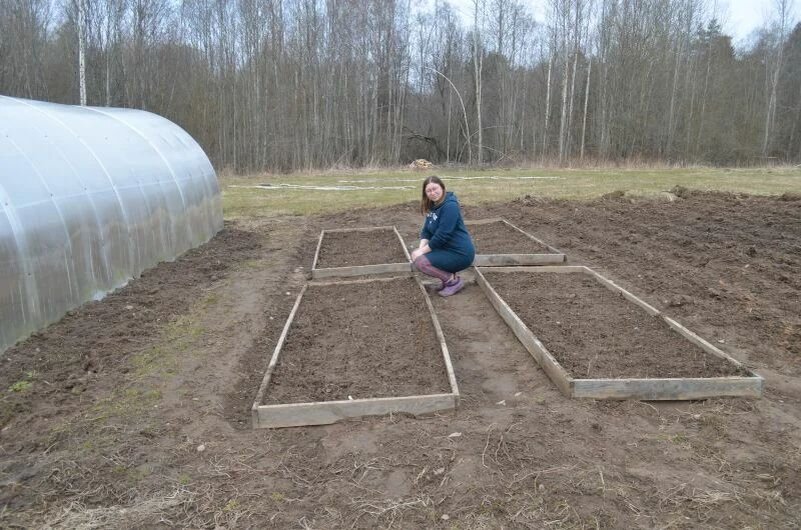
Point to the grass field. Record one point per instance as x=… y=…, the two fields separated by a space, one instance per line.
x=243 y=196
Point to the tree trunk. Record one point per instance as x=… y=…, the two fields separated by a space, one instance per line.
x=586 y=100
x=477 y=67
x=570 y=106
x=563 y=120
x=783 y=7
x=82 y=51
x=703 y=102
x=547 y=108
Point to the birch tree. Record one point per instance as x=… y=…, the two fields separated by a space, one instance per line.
x=281 y=85
x=774 y=70
x=478 y=64
x=81 y=7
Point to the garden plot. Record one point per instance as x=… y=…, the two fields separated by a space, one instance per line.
x=359 y=251
x=500 y=243
x=596 y=340
x=357 y=348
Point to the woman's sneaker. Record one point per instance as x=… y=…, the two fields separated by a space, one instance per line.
x=452 y=287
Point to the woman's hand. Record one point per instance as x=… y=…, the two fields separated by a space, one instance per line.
x=422 y=249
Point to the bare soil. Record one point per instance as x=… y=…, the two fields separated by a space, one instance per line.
x=359 y=340
x=356 y=248
x=140 y=418
x=500 y=238
x=595 y=333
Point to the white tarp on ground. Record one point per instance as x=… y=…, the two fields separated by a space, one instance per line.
x=89 y=198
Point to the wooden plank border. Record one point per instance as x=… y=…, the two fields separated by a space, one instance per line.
x=360 y=270
x=446 y=356
x=630 y=388
x=326 y=412
x=554 y=256
x=555 y=371
x=511 y=260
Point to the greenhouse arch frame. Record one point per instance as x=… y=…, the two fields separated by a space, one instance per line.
x=91 y=197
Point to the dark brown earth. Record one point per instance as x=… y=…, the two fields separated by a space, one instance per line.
x=500 y=238
x=350 y=249
x=595 y=333
x=359 y=340
x=139 y=418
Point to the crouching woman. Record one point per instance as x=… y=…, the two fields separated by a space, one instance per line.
x=445 y=245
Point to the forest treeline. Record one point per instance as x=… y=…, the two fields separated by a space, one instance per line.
x=282 y=85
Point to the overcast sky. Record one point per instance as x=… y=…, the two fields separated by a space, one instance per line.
x=738 y=17
x=741 y=17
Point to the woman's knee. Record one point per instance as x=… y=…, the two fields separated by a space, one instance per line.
x=421 y=263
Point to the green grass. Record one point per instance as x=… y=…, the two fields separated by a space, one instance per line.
x=177 y=339
x=151 y=370
x=25 y=384
x=124 y=403
x=242 y=200
x=21 y=386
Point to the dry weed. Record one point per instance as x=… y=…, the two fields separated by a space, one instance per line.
x=151 y=511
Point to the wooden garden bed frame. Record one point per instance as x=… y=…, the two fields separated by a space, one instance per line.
x=326 y=412
x=636 y=388
x=360 y=270
x=553 y=257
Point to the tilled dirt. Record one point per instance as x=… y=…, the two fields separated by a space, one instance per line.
x=139 y=418
x=359 y=340
x=70 y=357
x=500 y=238
x=595 y=333
x=356 y=248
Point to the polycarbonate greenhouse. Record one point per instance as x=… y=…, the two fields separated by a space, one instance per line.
x=89 y=198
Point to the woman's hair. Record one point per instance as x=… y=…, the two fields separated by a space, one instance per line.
x=426 y=204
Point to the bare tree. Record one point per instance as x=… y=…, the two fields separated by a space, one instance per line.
x=782 y=22
x=23 y=46
x=478 y=64
x=586 y=104
x=547 y=107
x=289 y=84
x=82 y=50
